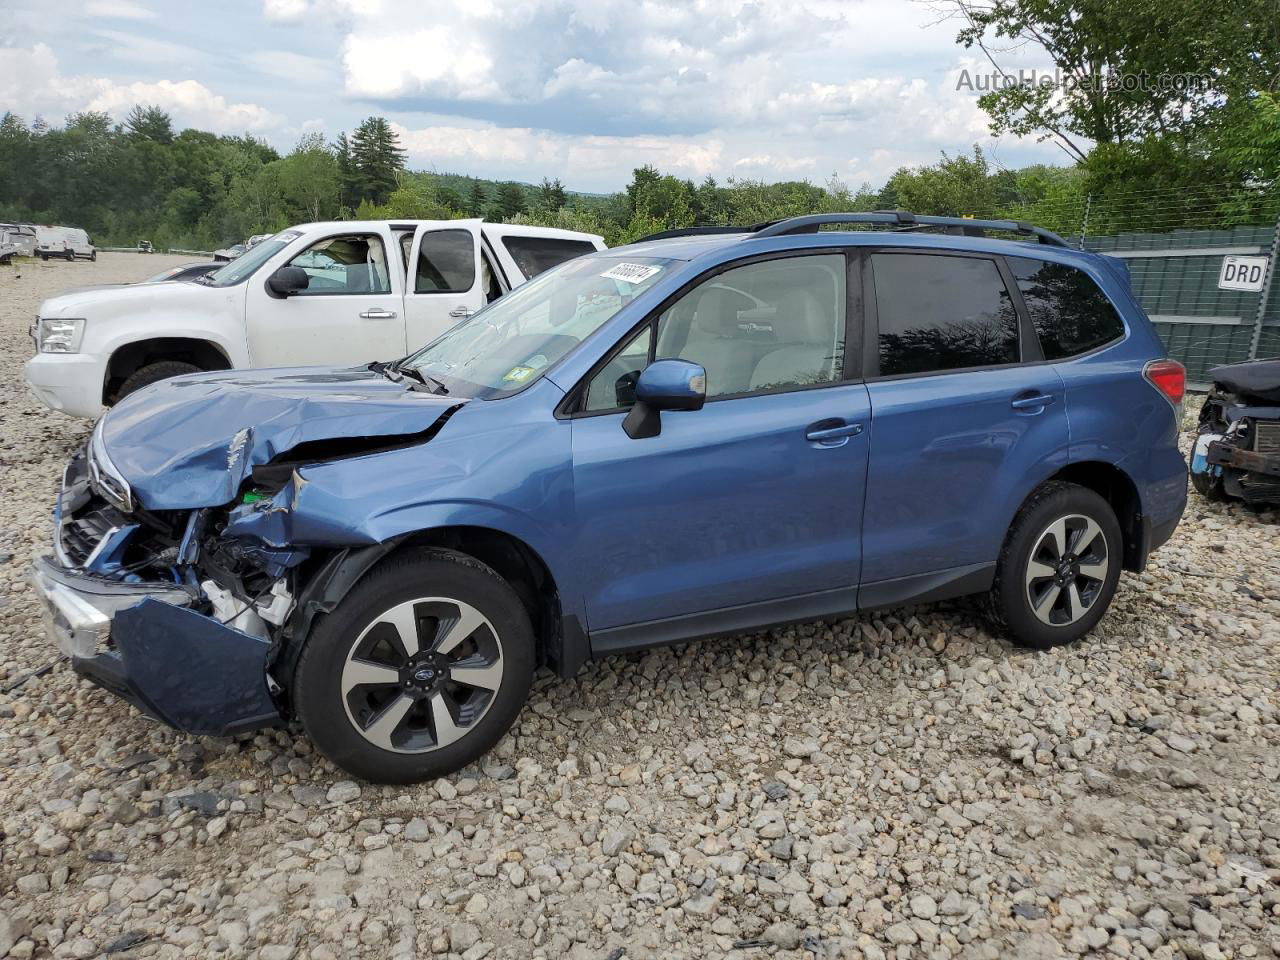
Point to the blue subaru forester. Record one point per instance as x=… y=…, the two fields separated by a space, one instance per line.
x=707 y=432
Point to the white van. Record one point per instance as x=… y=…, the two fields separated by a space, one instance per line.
x=65 y=243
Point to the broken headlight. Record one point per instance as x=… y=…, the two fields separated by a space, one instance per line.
x=59 y=335
x=103 y=475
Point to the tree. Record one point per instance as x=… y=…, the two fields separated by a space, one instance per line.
x=310 y=180
x=477 y=199
x=149 y=123
x=510 y=201
x=955 y=186
x=551 y=196
x=376 y=159
x=1124 y=62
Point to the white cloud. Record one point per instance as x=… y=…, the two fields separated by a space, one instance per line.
x=32 y=83
x=119 y=10
x=782 y=88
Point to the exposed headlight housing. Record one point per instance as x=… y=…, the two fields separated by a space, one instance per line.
x=103 y=475
x=59 y=334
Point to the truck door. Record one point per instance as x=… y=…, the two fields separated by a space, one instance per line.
x=444 y=282
x=351 y=311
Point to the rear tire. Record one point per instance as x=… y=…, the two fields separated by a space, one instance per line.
x=154 y=373
x=93 y=257
x=1059 y=567
x=396 y=712
x=70 y=255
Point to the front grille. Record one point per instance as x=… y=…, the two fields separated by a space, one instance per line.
x=80 y=534
x=1266 y=436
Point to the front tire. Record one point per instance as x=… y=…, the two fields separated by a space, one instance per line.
x=1059 y=567
x=419 y=671
x=154 y=373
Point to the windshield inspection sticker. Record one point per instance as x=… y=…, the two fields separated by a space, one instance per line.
x=519 y=374
x=631 y=272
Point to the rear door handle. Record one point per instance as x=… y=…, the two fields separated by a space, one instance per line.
x=832 y=433
x=377 y=313
x=460 y=312
x=1031 y=402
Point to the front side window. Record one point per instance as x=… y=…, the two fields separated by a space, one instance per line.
x=1070 y=314
x=509 y=343
x=942 y=313
x=534 y=255
x=774 y=324
x=446 y=262
x=355 y=263
x=614 y=387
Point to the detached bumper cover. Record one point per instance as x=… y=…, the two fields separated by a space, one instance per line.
x=143 y=643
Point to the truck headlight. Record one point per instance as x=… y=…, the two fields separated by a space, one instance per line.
x=60 y=335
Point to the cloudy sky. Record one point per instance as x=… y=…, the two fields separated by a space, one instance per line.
x=584 y=90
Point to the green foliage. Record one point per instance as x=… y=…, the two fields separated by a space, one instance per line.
x=376 y=160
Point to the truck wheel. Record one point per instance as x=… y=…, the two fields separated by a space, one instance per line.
x=44 y=257
x=1059 y=567
x=419 y=670
x=70 y=255
x=93 y=256
x=154 y=373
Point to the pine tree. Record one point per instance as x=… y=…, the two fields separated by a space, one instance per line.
x=551 y=196
x=510 y=200
x=348 y=189
x=377 y=158
x=149 y=123
x=476 y=200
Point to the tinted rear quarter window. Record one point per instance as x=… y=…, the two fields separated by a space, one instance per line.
x=533 y=255
x=1070 y=314
x=942 y=313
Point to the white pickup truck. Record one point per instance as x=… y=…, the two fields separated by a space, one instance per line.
x=342 y=292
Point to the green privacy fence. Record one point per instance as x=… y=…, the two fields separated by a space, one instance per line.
x=1175 y=277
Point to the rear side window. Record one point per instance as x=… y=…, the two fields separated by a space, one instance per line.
x=1070 y=314
x=942 y=313
x=533 y=255
x=446 y=262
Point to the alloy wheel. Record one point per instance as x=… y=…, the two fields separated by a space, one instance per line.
x=421 y=675
x=1067 y=570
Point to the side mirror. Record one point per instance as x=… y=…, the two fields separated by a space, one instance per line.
x=664 y=385
x=287 y=281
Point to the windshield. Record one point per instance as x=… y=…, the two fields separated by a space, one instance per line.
x=508 y=344
x=245 y=264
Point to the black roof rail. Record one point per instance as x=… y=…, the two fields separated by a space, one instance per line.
x=902 y=220
x=897 y=220
x=701 y=231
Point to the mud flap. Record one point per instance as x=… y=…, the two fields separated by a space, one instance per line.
x=191 y=671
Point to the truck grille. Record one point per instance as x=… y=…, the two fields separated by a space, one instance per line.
x=1266 y=437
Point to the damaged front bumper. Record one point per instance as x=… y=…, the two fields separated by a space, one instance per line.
x=144 y=643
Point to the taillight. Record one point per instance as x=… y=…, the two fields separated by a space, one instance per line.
x=1167 y=376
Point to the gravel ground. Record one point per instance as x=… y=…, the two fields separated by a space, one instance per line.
x=896 y=785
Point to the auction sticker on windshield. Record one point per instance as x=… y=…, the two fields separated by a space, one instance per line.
x=631 y=272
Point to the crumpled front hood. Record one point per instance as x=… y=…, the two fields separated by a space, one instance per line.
x=191 y=442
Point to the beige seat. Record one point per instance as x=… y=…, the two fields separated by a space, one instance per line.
x=713 y=343
x=807 y=353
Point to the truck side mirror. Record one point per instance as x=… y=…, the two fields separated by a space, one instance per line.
x=287 y=281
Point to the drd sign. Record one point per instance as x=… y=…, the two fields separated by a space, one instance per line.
x=1243 y=273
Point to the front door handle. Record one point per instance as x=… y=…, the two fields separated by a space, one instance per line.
x=1033 y=402
x=832 y=433
x=460 y=313
x=377 y=313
